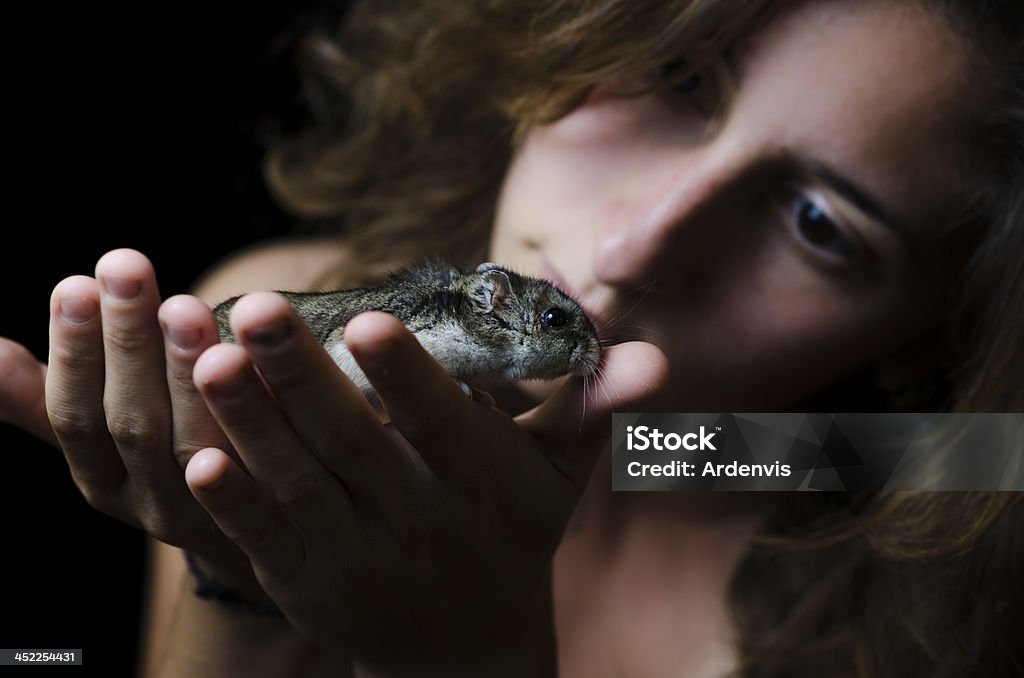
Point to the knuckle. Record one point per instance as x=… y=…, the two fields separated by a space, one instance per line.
x=286 y=373
x=72 y=425
x=354 y=441
x=127 y=341
x=93 y=482
x=258 y=536
x=102 y=500
x=183 y=453
x=133 y=432
x=104 y=492
x=74 y=357
x=300 y=492
x=179 y=374
x=419 y=426
x=158 y=526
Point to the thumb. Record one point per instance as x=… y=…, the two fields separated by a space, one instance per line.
x=22 y=391
x=576 y=420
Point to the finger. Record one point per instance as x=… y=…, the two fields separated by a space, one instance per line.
x=422 y=399
x=188 y=329
x=264 y=440
x=329 y=414
x=246 y=515
x=135 y=397
x=74 y=395
x=574 y=422
x=23 y=391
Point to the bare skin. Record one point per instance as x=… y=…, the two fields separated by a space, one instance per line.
x=656 y=191
x=295 y=265
x=723 y=240
x=652 y=557
x=693 y=233
x=569 y=425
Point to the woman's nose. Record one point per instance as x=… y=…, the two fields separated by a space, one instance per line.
x=650 y=230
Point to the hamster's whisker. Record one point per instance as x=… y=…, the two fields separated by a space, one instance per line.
x=583 y=414
x=601 y=382
x=618 y=395
x=637 y=330
x=622 y=313
x=619 y=336
x=644 y=290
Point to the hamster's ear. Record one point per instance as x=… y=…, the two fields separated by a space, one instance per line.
x=494 y=289
x=487 y=266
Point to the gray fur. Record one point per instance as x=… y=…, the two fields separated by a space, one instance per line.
x=482 y=326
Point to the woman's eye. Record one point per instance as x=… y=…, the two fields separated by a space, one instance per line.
x=687 y=86
x=697 y=87
x=820 y=231
x=674 y=69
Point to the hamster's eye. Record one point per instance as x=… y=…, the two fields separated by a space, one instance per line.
x=554 y=317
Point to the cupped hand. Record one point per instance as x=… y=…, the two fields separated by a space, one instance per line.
x=120 y=402
x=22 y=391
x=426 y=543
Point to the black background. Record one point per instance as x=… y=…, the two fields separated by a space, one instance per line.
x=129 y=125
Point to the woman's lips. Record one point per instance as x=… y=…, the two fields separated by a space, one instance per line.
x=552 y=276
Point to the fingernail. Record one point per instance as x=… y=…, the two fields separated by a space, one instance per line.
x=268 y=335
x=77 y=311
x=183 y=337
x=229 y=385
x=122 y=289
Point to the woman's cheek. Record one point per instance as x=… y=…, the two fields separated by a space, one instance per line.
x=763 y=347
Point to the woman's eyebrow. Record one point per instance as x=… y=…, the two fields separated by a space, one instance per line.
x=861 y=198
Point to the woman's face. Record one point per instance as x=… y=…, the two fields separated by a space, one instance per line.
x=780 y=247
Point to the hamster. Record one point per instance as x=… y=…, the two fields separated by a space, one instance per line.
x=483 y=326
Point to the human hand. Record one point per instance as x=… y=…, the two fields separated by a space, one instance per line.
x=22 y=398
x=421 y=546
x=120 y=402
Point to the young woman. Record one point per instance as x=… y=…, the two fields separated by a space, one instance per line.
x=781 y=206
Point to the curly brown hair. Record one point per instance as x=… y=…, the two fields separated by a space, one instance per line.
x=417 y=116
x=418 y=107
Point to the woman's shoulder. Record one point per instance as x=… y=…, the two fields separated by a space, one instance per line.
x=293 y=264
